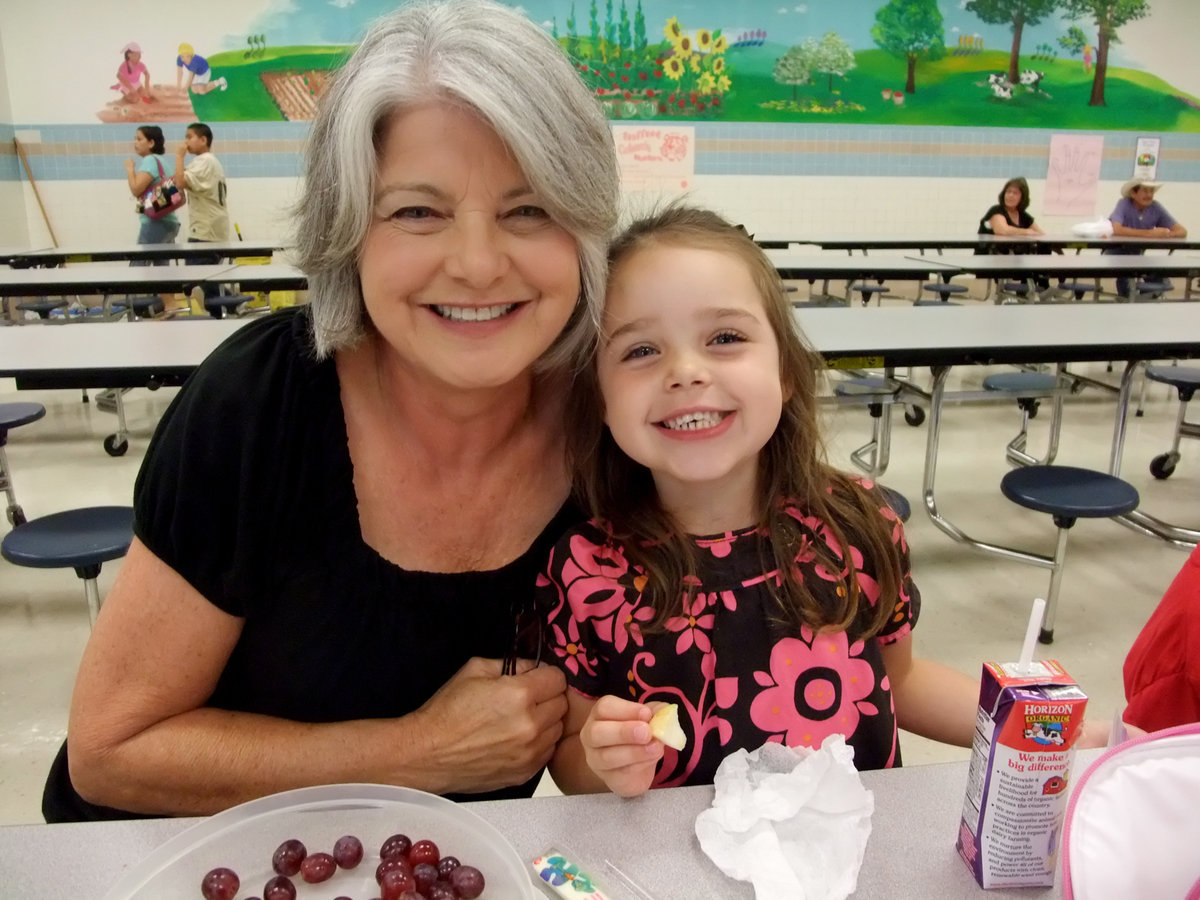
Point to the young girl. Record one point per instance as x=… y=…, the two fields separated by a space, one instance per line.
x=729 y=570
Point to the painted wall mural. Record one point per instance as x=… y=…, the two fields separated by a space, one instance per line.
x=1019 y=63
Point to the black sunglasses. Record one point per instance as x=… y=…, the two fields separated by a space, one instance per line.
x=528 y=639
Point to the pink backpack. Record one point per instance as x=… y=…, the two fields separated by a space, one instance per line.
x=1133 y=822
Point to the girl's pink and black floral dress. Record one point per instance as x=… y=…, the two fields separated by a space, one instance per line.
x=739 y=678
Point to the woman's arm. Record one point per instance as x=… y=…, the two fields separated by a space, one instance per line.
x=1004 y=228
x=139 y=182
x=142 y=739
x=606 y=746
x=931 y=699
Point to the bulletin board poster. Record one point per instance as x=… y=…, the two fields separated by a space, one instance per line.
x=1074 y=174
x=1145 y=162
x=655 y=157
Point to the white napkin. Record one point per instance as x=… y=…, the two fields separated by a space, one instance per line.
x=792 y=821
x=1099 y=228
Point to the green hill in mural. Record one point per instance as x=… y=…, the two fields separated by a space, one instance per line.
x=269 y=84
x=955 y=91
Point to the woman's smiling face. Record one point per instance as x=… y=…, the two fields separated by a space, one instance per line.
x=464 y=274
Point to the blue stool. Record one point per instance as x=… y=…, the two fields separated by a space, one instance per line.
x=225 y=304
x=1028 y=387
x=1185 y=380
x=144 y=306
x=1015 y=292
x=1067 y=493
x=934 y=303
x=14 y=415
x=943 y=289
x=897 y=501
x=79 y=538
x=43 y=306
x=867 y=291
x=1079 y=288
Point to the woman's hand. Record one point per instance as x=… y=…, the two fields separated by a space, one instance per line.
x=486 y=730
x=618 y=747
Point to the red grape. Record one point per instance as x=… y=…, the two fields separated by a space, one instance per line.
x=348 y=851
x=396 y=863
x=424 y=875
x=441 y=891
x=395 y=883
x=396 y=845
x=288 y=856
x=317 y=867
x=424 y=852
x=446 y=865
x=279 y=888
x=220 y=884
x=468 y=881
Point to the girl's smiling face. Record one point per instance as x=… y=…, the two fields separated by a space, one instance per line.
x=689 y=369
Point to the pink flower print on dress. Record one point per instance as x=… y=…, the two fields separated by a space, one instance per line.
x=813 y=690
x=568 y=648
x=625 y=625
x=693 y=626
x=720 y=547
x=591 y=578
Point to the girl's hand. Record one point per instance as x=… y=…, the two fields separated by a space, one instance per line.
x=129 y=167
x=617 y=745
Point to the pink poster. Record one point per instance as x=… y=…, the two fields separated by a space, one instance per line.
x=1073 y=175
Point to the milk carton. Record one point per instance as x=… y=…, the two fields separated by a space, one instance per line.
x=1017 y=784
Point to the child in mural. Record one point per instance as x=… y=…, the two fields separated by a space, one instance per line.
x=199 y=77
x=729 y=569
x=133 y=78
x=1087 y=58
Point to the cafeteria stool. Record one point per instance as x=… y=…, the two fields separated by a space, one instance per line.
x=897 y=501
x=14 y=415
x=144 y=306
x=867 y=291
x=1185 y=380
x=943 y=289
x=934 y=303
x=43 y=306
x=878 y=395
x=1067 y=493
x=225 y=304
x=1027 y=388
x=1079 y=288
x=81 y=539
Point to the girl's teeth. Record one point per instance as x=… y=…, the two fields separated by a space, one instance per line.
x=693 y=421
x=474 y=313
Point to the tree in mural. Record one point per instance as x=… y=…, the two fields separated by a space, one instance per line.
x=639 y=29
x=796 y=66
x=1073 y=41
x=912 y=30
x=833 y=56
x=1016 y=14
x=610 y=26
x=594 y=29
x=1109 y=15
x=624 y=35
x=572 y=40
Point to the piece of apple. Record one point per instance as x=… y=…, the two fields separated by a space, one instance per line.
x=664 y=725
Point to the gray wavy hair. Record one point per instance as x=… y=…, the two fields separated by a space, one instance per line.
x=494 y=61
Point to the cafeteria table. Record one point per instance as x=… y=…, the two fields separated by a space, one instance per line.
x=964 y=241
x=910 y=853
x=58 y=256
x=99 y=279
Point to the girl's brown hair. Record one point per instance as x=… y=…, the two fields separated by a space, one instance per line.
x=792 y=467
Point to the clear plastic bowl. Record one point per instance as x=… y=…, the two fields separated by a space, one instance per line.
x=245 y=837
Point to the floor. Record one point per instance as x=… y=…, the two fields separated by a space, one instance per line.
x=975 y=607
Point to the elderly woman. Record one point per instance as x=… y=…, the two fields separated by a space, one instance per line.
x=345 y=508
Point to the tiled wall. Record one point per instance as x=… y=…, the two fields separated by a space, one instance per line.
x=271 y=150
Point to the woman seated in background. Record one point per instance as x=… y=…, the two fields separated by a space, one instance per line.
x=1010 y=218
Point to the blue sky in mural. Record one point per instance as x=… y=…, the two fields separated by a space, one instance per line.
x=343 y=21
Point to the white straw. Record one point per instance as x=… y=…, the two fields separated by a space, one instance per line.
x=1025 y=663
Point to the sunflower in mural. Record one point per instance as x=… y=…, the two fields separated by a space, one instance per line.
x=672 y=30
x=683 y=45
x=718 y=65
x=673 y=68
x=704 y=40
x=719 y=44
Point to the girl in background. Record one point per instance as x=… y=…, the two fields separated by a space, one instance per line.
x=133 y=78
x=728 y=569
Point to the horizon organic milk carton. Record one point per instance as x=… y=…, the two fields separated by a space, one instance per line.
x=1020 y=763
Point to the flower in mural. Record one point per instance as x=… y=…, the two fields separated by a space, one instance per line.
x=704 y=40
x=672 y=30
x=684 y=45
x=813 y=689
x=673 y=68
x=707 y=84
x=719 y=44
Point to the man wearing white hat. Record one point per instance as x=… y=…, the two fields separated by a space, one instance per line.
x=1138 y=214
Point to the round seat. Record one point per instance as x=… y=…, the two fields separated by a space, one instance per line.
x=1069 y=493
x=1015 y=382
x=944 y=288
x=79 y=538
x=1185 y=379
x=13 y=415
x=43 y=306
x=220 y=306
x=934 y=303
x=897 y=501
x=145 y=305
